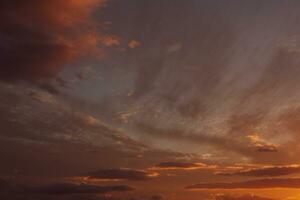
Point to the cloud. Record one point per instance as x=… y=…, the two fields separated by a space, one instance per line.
x=239 y=197
x=174 y=47
x=225 y=143
x=132 y=44
x=4 y=185
x=111 y=41
x=33 y=115
x=265 y=171
x=42 y=96
x=70 y=188
x=119 y=174
x=181 y=165
x=39 y=37
x=86 y=197
x=191 y=109
x=251 y=184
x=260 y=145
x=152 y=197
x=266 y=148
x=60 y=188
x=167 y=48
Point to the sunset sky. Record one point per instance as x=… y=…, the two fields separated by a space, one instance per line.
x=150 y=100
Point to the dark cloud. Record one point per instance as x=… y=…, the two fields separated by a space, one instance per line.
x=120 y=174
x=4 y=185
x=152 y=197
x=239 y=197
x=78 y=197
x=251 y=184
x=49 y=88
x=266 y=148
x=64 y=191
x=181 y=165
x=265 y=171
x=70 y=188
x=38 y=37
x=156 y=197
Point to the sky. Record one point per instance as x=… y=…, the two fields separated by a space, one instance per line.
x=149 y=100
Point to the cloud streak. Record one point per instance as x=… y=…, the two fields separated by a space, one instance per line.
x=239 y=197
x=61 y=188
x=70 y=188
x=251 y=184
x=265 y=171
x=181 y=166
x=119 y=174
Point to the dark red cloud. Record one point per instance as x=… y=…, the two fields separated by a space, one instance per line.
x=38 y=37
